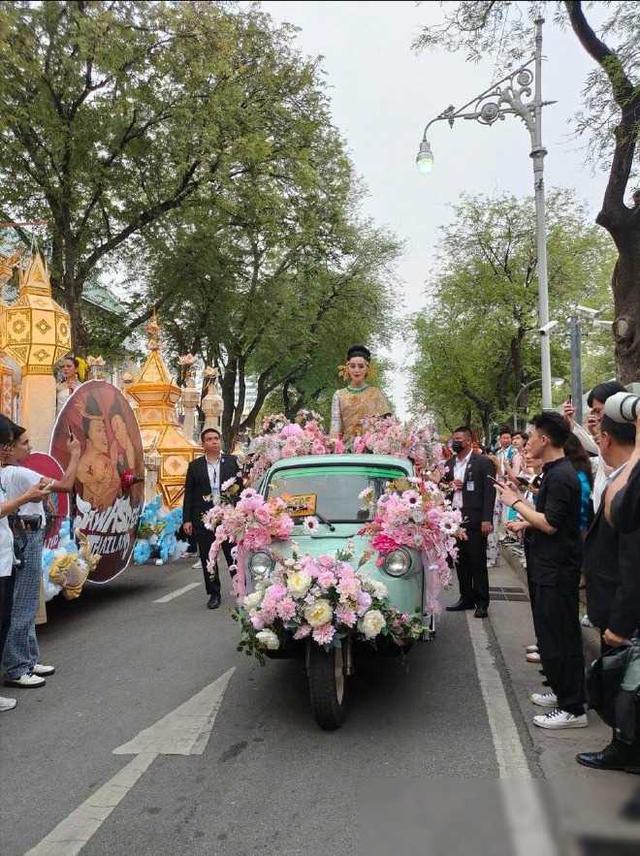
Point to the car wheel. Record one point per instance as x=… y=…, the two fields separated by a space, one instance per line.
x=327 y=685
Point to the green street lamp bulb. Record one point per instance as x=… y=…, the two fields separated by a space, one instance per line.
x=424 y=158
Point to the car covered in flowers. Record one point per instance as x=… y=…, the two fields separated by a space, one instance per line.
x=332 y=552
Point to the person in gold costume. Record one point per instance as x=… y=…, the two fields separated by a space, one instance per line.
x=358 y=400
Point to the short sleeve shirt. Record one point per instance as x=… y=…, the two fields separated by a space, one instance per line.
x=18 y=480
x=557 y=558
x=6 y=542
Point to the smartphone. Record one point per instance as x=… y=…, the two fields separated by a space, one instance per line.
x=70 y=432
x=570 y=399
x=495 y=481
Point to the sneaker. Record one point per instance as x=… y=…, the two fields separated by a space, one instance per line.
x=7 y=703
x=531 y=649
x=533 y=657
x=197 y=565
x=189 y=555
x=43 y=671
x=557 y=719
x=544 y=699
x=25 y=681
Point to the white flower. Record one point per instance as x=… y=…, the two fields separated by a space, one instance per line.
x=311 y=524
x=371 y=623
x=268 y=639
x=378 y=589
x=298 y=583
x=318 y=613
x=229 y=483
x=253 y=600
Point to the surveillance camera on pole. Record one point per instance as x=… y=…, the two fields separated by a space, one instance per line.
x=588 y=312
x=547 y=328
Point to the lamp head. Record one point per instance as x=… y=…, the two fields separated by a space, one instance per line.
x=424 y=158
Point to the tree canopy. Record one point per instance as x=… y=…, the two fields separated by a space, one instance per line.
x=611 y=116
x=476 y=342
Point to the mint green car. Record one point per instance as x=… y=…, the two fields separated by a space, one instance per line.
x=333 y=483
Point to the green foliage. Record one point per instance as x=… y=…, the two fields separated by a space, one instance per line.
x=477 y=341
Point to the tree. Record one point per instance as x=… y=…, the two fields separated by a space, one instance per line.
x=612 y=117
x=113 y=115
x=477 y=340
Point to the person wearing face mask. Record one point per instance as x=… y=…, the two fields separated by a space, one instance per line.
x=359 y=400
x=469 y=474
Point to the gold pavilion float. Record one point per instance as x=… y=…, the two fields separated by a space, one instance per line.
x=35 y=332
x=156 y=396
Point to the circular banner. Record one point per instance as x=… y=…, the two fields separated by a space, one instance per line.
x=110 y=479
x=57 y=505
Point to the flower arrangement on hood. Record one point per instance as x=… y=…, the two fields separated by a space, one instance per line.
x=413 y=513
x=156 y=537
x=323 y=599
x=387 y=435
x=290 y=441
x=252 y=524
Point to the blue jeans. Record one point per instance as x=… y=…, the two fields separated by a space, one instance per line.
x=21 y=646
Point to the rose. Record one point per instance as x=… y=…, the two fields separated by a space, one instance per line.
x=298 y=583
x=378 y=589
x=371 y=623
x=268 y=639
x=318 y=613
x=252 y=601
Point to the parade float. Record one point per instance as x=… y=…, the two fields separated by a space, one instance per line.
x=126 y=503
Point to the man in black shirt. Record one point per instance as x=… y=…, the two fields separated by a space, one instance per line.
x=555 y=556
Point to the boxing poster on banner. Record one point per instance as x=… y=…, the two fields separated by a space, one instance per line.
x=56 y=505
x=109 y=489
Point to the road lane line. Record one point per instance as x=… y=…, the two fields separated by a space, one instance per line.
x=525 y=812
x=183 y=731
x=174 y=594
x=71 y=834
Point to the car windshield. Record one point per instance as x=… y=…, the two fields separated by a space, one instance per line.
x=331 y=491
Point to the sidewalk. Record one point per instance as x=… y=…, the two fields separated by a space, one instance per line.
x=586 y=803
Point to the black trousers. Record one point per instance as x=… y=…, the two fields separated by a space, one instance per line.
x=557 y=624
x=205 y=538
x=6 y=603
x=471 y=568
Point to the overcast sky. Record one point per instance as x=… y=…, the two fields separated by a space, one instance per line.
x=383 y=93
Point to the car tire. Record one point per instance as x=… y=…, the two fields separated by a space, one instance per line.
x=327 y=685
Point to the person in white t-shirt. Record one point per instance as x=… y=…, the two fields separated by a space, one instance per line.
x=35 y=493
x=21 y=655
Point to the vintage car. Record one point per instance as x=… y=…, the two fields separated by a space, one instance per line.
x=329 y=487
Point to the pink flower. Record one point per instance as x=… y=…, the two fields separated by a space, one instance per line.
x=286 y=609
x=292 y=430
x=326 y=579
x=318 y=448
x=347 y=616
x=383 y=543
x=302 y=632
x=324 y=634
x=262 y=516
x=363 y=601
x=256 y=620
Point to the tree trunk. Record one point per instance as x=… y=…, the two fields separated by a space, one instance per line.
x=625 y=284
x=228 y=390
x=66 y=291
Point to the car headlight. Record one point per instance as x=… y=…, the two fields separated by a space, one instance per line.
x=397 y=563
x=261 y=564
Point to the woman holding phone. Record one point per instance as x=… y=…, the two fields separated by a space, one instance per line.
x=21 y=654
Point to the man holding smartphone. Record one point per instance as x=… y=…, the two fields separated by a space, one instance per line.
x=471 y=476
x=555 y=556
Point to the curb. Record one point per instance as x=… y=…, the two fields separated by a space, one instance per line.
x=590 y=635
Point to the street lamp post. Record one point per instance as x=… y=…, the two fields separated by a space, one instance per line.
x=555 y=381
x=512 y=96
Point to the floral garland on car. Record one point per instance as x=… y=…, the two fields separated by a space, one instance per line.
x=289 y=440
x=321 y=598
x=413 y=513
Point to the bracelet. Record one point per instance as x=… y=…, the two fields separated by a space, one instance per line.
x=513 y=504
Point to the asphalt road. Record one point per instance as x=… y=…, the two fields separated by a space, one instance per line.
x=415 y=768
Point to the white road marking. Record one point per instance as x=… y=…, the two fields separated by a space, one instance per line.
x=174 y=594
x=183 y=731
x=524 y=810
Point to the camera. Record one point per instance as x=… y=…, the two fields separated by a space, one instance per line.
x=547 y=328
x=622 y=407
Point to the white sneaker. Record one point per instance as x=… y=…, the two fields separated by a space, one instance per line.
x=197 y=565
x=43 y=671
x=557 y=719
x=531 y=649
x=25 y=681
x=544 y=699
x=533 y=657
x=7 y=703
